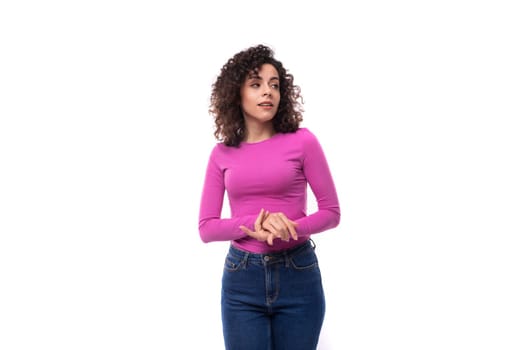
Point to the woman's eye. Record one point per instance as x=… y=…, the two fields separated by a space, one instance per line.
x=275 y=86
x=255 y=85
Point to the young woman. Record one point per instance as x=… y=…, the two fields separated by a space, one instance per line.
x=272 y=294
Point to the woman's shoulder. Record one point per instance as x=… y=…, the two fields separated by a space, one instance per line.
x=305 y=134
x=302 y=132
x=220 y=149
x=303 y=139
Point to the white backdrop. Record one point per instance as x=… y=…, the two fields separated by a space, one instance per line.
x=104 y=136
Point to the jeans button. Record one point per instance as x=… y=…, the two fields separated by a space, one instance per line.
x=266 y=258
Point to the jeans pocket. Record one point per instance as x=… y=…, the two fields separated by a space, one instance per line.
x=306 y=259
x=232 y=262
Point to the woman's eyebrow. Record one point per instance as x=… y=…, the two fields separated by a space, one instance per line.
x=257 y=77
x=254 y=75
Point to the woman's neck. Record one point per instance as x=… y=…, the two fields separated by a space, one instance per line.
x=259 y=133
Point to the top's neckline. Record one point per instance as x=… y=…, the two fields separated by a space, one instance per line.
x=261 y=141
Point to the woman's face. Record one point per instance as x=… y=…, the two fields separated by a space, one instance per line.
x=260 y=94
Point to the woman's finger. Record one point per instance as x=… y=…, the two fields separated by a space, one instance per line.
x=246 y=230
x=259 y=220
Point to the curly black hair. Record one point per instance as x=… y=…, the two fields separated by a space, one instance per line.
x=225 y=100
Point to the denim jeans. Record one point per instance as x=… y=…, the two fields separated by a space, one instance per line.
x=272 y=301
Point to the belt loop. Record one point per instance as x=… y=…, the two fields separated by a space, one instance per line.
x=312 y=243
x=245 y=259
x=286 y=259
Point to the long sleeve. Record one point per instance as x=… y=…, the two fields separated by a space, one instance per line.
x=211 y=226
x=319 y=177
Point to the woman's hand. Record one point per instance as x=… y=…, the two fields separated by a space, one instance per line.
x=279 y=226
x=269 y=226
x=259 y=234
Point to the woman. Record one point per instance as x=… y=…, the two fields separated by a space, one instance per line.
x=272 y=294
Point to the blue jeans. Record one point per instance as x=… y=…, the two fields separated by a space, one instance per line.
x=272 y=301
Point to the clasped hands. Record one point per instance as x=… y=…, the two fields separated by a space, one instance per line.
x=269 y=226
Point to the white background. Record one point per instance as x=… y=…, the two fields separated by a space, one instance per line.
x=105 y=133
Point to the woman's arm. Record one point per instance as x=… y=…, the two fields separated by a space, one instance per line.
x=319 y=177
x=211 y=226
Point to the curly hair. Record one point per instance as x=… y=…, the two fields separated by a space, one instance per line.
x=225 y=100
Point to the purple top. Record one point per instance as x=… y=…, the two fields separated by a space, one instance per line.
x=272 y=174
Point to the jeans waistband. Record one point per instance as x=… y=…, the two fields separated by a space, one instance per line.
x=272 y=256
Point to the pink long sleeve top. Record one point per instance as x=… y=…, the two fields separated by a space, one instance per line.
x=272 y=174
